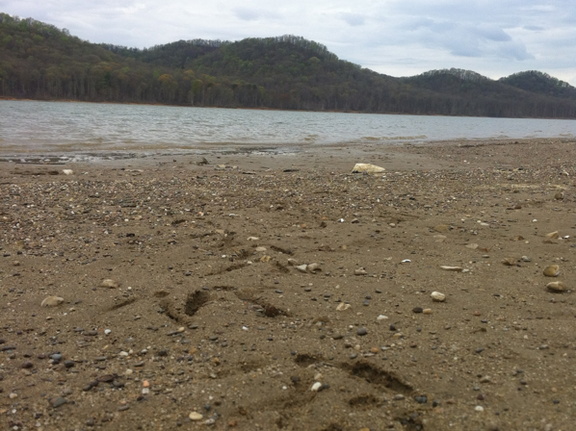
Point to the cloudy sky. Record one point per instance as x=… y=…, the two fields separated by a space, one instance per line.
x=395 y=37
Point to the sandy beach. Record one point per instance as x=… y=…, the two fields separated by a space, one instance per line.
x=254 y=291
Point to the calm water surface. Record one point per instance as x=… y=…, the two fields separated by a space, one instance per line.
x=58 y=128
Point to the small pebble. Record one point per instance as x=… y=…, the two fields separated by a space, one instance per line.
x=438 y=296
x=195 y=416
x=109 y=283
x=362 y=331
x=316 y=387
x=552 y=271
x=56 y=357
x=52 y=301
x=313 y=267
x=556 y=286
x=302 y=268
x=57 y=402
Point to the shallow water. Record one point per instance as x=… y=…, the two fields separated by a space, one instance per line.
x=92 y=130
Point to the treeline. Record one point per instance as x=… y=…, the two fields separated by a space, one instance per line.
x=40 y=61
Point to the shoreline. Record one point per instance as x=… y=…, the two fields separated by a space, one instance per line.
x=242 y=151
x=263 y=292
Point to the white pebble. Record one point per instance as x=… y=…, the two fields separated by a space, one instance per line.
x=195 y=416
x=109 y=283
x=316 y=387
x=302 y=268
x=438 y=296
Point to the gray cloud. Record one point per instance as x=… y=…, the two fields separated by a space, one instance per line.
x=354 y=19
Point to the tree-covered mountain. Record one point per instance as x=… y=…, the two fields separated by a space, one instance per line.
x=541 y=83
x=40 y=61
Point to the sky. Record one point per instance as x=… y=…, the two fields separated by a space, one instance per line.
x=396 y=37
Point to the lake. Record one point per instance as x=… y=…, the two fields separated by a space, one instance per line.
x=94 y=130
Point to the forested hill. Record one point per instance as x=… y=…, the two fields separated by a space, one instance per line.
x=40 y=61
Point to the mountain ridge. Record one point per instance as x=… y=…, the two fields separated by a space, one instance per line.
x=40 y=61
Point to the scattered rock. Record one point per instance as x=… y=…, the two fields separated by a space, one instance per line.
x=52 y=301
x=195 y=416
x=58 y=402
x=442 y=228
x=109 y=283
x=316 y=387
x=556 y=286
x=451 y=268
x=302 y=268
x=314 y=267
x=367 y=168
x=438 y=296
x=552 y=271
x=553 y=235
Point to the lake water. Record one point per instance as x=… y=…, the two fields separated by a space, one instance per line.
x=91 y=130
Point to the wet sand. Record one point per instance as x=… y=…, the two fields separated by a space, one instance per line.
x=257 y=291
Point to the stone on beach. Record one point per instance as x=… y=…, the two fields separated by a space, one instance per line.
x=452 y=268
x=52 y=301
x=109 y=283
x=556 y=286
x=367 y=168
x=438 y=296
x=552 y=271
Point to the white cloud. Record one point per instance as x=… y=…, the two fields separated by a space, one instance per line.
x=396 y=37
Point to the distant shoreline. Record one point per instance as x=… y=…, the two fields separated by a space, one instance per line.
x=394 y=156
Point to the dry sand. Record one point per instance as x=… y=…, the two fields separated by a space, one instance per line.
x=262 y=292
